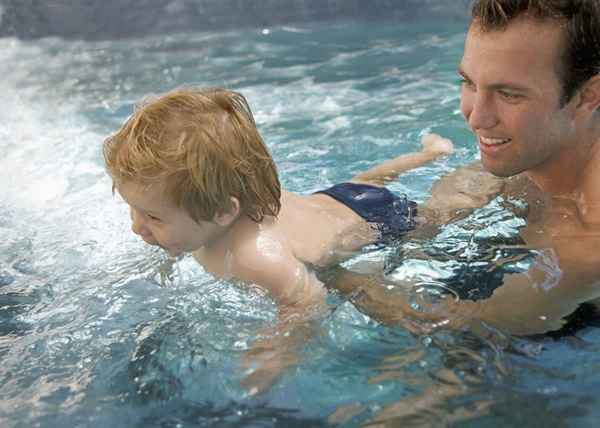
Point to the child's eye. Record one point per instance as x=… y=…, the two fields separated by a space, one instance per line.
x=153 y=218
x=464 y=82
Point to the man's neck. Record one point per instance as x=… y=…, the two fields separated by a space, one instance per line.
x=570 y=173
x=589 y=194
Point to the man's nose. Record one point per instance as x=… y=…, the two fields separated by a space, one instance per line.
x=480 y=111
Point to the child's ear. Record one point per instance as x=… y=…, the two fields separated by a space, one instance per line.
x=590 y=95
x=225 y=218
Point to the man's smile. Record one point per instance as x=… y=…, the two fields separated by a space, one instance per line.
x=491 y=146
x=493 y=141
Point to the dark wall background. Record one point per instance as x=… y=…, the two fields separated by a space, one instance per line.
x=105 y=19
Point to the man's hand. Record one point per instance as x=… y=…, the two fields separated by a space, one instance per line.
x=457 y=194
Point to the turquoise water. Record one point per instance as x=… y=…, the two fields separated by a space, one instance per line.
x=91 y=332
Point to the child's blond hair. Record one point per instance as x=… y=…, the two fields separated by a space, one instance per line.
x=204 y=146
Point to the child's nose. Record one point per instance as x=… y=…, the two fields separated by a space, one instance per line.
x=138 y=225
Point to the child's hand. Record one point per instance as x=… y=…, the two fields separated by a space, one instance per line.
x=264 y=368
x=433 y=143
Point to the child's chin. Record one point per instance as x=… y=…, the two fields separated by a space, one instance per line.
x=174 y=253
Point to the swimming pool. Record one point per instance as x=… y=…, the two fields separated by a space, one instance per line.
x=93 y=333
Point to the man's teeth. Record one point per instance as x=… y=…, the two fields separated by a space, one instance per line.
x=494 y=141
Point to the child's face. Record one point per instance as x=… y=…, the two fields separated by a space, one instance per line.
x=159 y=222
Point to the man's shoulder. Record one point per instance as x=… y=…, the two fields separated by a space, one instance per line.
x=520 y=186
x=589 y=202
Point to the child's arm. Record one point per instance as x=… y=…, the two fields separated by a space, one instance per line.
x=300 y=299
x=434 y=146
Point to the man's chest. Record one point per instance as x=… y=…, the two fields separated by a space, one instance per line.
x=557 y=224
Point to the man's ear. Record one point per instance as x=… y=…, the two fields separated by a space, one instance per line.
x=590 y=95
x=227 y=217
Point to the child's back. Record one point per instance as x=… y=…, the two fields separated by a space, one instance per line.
x=280 y=253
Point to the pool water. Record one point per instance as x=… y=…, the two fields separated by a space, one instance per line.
x=98 y=329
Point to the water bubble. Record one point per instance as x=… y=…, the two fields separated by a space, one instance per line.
x=23 y=266
x=424 y=297
x=549 y=390
x=6 y=278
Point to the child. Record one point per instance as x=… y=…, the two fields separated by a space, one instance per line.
x=198 y=178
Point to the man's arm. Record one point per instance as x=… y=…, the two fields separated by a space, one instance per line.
x=457 y=194
x=533 y=302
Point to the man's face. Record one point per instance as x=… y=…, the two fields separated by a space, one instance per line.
x=159 y=222
x=510 y=97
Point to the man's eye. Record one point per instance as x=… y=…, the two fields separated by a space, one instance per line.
x=510 y=95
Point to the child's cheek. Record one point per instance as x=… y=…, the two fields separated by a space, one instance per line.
x=163 y=237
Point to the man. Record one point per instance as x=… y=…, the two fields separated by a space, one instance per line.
x=531 y=95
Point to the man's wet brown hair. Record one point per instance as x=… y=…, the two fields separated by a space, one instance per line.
x=204 y=147
x=581 y=26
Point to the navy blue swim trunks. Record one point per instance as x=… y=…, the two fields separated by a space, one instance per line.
x=391 y=214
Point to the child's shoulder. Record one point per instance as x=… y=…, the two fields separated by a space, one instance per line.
x=261 y=255
x=258 y=244
x=249 y=247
